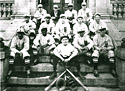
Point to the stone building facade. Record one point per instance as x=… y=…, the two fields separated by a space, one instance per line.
x=20 y=7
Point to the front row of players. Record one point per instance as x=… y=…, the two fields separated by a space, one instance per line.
x=63 y=50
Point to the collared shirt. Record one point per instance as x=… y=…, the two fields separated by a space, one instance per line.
x=40 y=15
x=63 y=28
x=94 y=26
x=43 y=40
x=49 y=27
x=28 y=26
x=72 y=13
x=65 y=51
x=101 y=42
x=78 y=27
x=80 y=42
x=55 y=13
x=86 y=14
x=19 y=44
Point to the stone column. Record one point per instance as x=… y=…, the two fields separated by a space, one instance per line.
x=120 y=65
x=22 y=7
x=102 y=6
x=33 y=6
x=92 y=5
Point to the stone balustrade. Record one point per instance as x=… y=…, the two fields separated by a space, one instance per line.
x=6 y=10
x=118 y=9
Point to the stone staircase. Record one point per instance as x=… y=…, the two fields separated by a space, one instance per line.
x=40 y=72
x=40 y=77
x=22 y=88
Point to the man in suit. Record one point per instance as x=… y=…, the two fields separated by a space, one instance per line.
x=55 y=13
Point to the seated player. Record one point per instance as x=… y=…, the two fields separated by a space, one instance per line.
x=80 y=26
x=28 y=24
x=63 y=26
x=43 y=42
x=86 y=13
x=65 y=53
x=103 y=46
x=83 y=44
x=71 y=15
x=48 y=23
x=20 y=46
x=55 y=13
x=96 y=25
x=32 y=36
x=39 y=15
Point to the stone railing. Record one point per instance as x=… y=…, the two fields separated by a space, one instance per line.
x=118 y=9
x=6 y=9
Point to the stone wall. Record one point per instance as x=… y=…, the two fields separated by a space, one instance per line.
x=25 y=6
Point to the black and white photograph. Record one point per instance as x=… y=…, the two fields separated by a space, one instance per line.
x=62 y=45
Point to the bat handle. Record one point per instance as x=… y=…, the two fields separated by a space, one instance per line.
x=47 y=88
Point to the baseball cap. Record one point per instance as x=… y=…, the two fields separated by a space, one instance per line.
x=79 y=16
x=26 y=16
x=20 y=30
x=102 y=29
x=62 y=15
x=40 y=6
x=64 y=37
x=55 y=6
x=83 y=3
x=80 y=31
x=47 y=16
x=70 y=4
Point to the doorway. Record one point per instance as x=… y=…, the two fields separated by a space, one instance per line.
x=63 y=4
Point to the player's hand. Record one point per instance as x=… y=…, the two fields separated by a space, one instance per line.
x=86 y=48
x=44 y=46
x=21 y=54
x=103 y=51
x=67 y=60
x=63 y=59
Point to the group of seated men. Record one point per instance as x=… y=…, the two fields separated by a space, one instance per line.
x=65 y=37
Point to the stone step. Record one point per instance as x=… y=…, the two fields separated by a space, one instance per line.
x=19 y=88
x=43 y=67
x=92 y=89
x=47 y=67
x=104 y=79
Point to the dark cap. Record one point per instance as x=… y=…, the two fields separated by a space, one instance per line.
x=64 y=37
x=27 y=16
x=102 y=29
x=44 y=29
x=97 y=15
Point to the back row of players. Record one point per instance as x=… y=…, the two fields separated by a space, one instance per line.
x=64 y=36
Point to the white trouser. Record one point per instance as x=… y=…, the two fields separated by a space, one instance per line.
x=109 y=53
x=25 y=54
